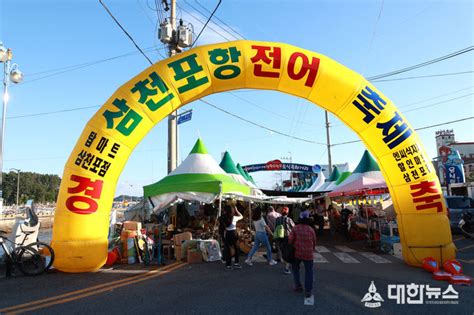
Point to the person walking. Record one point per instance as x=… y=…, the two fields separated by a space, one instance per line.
x=319 y=217
x=261 y=229
x=346 y=215
x=287 y=225
x=303 y=238
x=231 y=238
x=272 y=215
x=332 y=219
x=222 y=228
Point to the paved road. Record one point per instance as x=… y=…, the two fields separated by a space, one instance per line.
x=343 y=276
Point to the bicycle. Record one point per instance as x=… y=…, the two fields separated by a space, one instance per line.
x=31 y=259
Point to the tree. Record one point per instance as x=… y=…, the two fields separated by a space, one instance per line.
x=42 y=188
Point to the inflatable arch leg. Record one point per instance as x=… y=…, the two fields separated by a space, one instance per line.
x=92 y=170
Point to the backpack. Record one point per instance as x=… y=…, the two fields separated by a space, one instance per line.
x=279 y=232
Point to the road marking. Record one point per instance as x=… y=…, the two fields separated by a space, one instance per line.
x=34 y=305
x=345 y=249
x=322 y=249
x=346 y=258
x=319 y=259
x=471 y=261
x=458 y=238
x=375 y=258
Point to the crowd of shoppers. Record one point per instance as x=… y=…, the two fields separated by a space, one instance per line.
x=294 y=244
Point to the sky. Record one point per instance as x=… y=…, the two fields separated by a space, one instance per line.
x=75 y=57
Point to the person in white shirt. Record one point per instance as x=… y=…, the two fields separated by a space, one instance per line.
x=261 y=229
x=231 y=238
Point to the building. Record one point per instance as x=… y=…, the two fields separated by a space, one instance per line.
x=446 y=138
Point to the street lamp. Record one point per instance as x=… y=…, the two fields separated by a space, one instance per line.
x=17 y=185
x=11 y=73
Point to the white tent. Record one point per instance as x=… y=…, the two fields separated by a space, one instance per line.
x=319 y=182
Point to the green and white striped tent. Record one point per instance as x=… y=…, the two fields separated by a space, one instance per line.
x=331 y=181
x=198 y=177
x=366 y=176
x=344 y=174
x=228 y=165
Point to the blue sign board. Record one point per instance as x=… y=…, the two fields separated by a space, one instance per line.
x=454 y=167
x=185 y=117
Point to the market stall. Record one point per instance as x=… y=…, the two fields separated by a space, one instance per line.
x=364 y=196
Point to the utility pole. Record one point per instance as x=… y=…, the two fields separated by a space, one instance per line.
x=172 y=125
x=328 y=140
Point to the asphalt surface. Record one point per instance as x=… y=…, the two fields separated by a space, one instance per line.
x=208 y=288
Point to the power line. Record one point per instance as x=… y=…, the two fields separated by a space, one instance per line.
x=126 y=33
x=375 y=30
x=229 y=113
x=59 y=71
x=416 y=129
x=199 y=20
x=424 y=76
x=445 y=123
x=54 y=112
x=426 y=63
x=258 y=125
x=230 y=27
x=88 y=63
x=209 y=12
x=436 y=97
x=210 y=17
x=204 y=14
x=264 y=109
x=437 y=103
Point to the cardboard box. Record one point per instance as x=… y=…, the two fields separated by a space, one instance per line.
x=181 y=237
x=194 y=257
x=127 y=234
x=132 y=226
x=178 y=239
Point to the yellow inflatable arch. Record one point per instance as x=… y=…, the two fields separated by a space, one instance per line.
x=93 y=168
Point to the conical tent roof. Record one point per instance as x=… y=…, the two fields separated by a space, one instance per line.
x=245 y=175
x=334 y=175
x=242 y=172
x=319 y=182
x=249 y=177
x=366 y=164
x=331 y=180
x=345 y=173
x=228 y=165
x=252 y=180
x=198 y=177
x=366 y=176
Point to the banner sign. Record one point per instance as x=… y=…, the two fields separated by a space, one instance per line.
x=453 y=165
x=277 y=165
